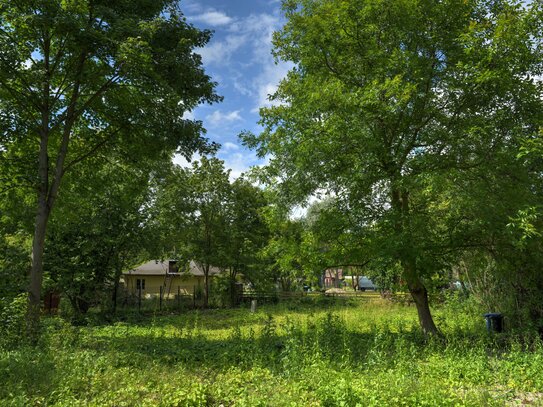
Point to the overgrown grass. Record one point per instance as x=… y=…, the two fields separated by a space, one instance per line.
x=305 y=353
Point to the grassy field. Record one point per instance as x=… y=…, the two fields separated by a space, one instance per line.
x=303 y=353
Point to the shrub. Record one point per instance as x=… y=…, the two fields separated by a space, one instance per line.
x=13 y=321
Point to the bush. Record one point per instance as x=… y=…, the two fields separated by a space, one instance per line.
x=13 y=321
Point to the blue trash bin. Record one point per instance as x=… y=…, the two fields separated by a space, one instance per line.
x=494 y=322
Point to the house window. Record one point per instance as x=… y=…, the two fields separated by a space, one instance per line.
x=140 y=284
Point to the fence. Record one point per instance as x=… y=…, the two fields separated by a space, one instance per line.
x=179 y=302
x=276 y=296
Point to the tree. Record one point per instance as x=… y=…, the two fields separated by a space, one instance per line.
x=81 y=75
x=101 y=226
x=283 y=253
x=247 y=231
x=193 y=203
x=385 y=95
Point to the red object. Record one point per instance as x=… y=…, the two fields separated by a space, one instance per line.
x=51 y=302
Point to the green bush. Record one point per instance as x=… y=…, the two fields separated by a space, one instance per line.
x=13 y=321
x=363 y=354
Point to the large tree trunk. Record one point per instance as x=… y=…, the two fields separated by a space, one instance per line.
x=40 y=227
x=400 y=203
x=47 y=192
x=420 y=297
x=36 y=272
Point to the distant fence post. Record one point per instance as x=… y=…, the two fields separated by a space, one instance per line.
x=160 y=299
x=179 y=298
x=139 y=299
x=194 y=297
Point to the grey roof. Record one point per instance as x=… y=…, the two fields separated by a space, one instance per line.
x=196 y=269
x=160 y=268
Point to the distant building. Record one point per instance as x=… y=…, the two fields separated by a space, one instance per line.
x=151 y=276
x=333 y=277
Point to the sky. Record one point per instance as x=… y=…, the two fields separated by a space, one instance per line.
x=239 y=59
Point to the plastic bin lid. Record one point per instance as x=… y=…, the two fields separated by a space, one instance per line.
x=492 y=315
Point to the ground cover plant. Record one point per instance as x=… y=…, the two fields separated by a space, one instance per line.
x=319 y=352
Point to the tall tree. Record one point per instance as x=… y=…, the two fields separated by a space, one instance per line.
x=99 y=228
x=192 y=204
x=207 y=229
x=76 y=76
x=386 y=93
x=283 y=253
x=247 y=231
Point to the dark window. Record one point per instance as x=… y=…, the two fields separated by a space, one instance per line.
x=140 y=284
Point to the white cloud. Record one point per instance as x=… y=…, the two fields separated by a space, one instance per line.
x=188 y=115
x=220 y=52
x=183 y=162
x=251 y=35
x=266 y=83
x=213 y=18
x=191 y=7
x=218 y=118
x=230 y=146
x=256 y=33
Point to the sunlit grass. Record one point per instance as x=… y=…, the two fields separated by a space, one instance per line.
x=325 y=352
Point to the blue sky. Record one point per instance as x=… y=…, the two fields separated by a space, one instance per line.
x=239 y=58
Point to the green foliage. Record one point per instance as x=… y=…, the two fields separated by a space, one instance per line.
x=385 y=109
x=367 y=354
x=12 y=321
x=100 y=227
x=211 y=220
x=14 y=261
x=78 y=78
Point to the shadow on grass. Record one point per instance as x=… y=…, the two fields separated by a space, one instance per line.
x=326 y=340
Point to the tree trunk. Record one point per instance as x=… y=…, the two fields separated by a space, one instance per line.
x=36 y=272
x=43 y=210
x=118 y=273
x=400 y=203
x=420 y=297
x=206 y=285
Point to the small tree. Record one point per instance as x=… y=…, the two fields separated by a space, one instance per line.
x=247 y=231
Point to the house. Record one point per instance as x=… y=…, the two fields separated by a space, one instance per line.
x=332 y=277
x=168 y=276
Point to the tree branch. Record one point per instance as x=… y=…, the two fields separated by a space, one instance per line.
x=91 y=152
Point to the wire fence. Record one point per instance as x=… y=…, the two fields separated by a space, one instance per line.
x=181 y=301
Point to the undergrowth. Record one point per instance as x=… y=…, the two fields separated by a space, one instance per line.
x=346 y=354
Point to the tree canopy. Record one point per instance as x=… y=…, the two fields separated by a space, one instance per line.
x=80 y=76
x=386 y=97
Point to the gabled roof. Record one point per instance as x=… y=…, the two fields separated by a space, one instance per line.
x=195 y=268
x=160 y=268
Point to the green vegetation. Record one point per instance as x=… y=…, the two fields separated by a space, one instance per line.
x=417 y=125
x=412 y=115
x=310 y=352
